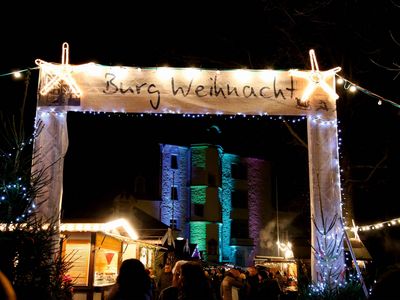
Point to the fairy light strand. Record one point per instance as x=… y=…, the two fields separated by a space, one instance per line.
x=347 y=84
x=14 y=73
x=379 y=225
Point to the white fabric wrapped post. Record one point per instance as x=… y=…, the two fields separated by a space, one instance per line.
x=51 y=146
x=325 y=195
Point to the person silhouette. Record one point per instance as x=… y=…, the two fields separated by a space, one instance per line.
x=190 y=283
x=132 y=282
x=194 y=284
x=171 y=292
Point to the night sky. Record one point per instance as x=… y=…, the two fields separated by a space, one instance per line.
x=107 y=151
x=219 y=34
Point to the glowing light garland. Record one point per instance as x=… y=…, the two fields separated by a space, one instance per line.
x=376 y=226
x=107 y=228
x=18 y=74
x=352 y=87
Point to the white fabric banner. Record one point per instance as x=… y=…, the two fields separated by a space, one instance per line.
x=185 y=91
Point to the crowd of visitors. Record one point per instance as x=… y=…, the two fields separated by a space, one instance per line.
x=190 y=280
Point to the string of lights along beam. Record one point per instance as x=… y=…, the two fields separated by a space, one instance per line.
x=264 y=116
x=352 y=87
x=347 y=85
x=380 y=225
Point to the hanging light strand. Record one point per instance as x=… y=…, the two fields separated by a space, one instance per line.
x=348 y=85
x=379 y=225
x=18 y=73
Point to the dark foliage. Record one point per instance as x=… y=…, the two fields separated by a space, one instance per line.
x=31 y=255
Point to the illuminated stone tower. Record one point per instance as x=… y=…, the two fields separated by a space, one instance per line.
x=220 y=200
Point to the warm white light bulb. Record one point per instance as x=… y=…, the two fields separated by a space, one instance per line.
x=120 y=72
x=164 y=73
x=191 y=73
x=17 y=74
x=267 y=75
x=242 y=75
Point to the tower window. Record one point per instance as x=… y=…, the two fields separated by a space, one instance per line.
x=198 y=210
x=239 y=171
x=212 y=248
x=212 y=180
x=239 y=199
x=240 y=229
x=174 y=162
x=173 y=223
x=174 y=193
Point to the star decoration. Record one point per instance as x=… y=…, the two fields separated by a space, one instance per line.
x=316 y=78
x=59 y=74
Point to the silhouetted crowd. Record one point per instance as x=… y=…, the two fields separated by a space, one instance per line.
x=190 y=280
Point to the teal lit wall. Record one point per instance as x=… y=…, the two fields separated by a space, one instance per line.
x=226 y=203
x=198 y=235
x=198 y=194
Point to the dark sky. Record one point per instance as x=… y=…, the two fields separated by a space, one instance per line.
x=224 y=35
x=107 y=151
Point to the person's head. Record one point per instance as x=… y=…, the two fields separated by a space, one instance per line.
x=191 y=271
x=176 y=272
x=132 y=275
x=167 y=268
x=151 y=271
x=235 y=272
x=263 y=275
x=193 y=281
x=252 y=271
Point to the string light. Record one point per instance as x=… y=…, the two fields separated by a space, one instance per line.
x=377 y=226
x=18 y=74
x=238 y=116
x=351 y=86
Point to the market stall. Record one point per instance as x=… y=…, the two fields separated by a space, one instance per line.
x=283 y=269
x=96 y=251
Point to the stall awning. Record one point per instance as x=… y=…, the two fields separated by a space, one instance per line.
x=119 y=227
